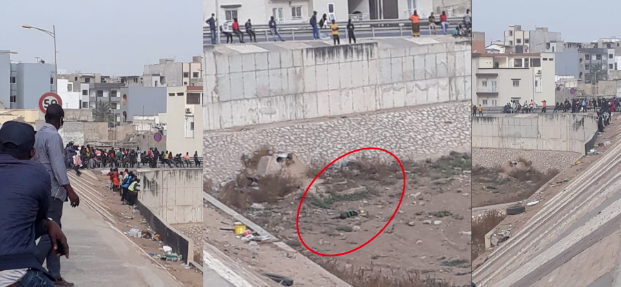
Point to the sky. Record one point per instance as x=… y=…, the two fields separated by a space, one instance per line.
x=112 y=37
x=576 y=20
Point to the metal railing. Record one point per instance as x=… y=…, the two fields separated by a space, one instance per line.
x=369 y=28
x=489 y=89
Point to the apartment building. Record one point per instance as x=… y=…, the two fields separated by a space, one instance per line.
x=540 y=40
x=595 y=64
x=71 y=97
x=300 y=11
x=499 y=79
x=28 y=82
x=168 y=73
x=184 y=119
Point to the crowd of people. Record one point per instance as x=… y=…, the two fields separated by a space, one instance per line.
x=88 y=157
x=126 y=184
x=229 y=31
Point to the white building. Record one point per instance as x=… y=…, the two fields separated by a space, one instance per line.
x=70 y=97
x=498 y=79
x=184 y=119
x=168 y=73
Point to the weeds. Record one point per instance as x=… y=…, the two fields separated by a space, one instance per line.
x=440 y=214
x=480 y=227
x=455 y=262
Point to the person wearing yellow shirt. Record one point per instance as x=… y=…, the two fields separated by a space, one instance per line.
x=335 y=33
x=480 y=110
x=415 y=24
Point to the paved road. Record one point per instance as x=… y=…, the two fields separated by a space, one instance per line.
x=574 y=240
x=305 y=37
x=100 y=256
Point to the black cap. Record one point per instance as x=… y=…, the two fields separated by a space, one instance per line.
x=19 y=134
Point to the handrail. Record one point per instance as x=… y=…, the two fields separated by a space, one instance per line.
x=370 y=23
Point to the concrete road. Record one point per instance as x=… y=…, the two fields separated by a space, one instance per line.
x=101 y=256
x=261 y=37
x=574 y=240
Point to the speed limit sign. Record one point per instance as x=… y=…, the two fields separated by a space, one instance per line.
x=49 y=99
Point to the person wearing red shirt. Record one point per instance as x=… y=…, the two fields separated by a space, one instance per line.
x=444 y=22
x=237 y=32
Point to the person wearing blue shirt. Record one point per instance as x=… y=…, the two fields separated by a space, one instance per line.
x=126 y=183
x=24 y=206
x=212 y=28
x=313 y=23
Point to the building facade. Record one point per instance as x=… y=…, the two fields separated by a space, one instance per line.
x=499 y=79
x=539 y=40
x=28 y=82
x=70 y=96
x=5 y=75
x=184 y=119
x=595 y=63
x=168 y=73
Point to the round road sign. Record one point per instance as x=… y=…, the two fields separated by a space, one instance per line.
x=48 y=99
x=157 y=137
x=572 y=91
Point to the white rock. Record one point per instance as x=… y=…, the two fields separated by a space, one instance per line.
x=437 y=222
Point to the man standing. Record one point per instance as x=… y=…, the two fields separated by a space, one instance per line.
x=212 y=28
x=196 y=161
x=335 y=33
x=24 y=208
x=443 y=22
x=313 y=23
x=49 y=147
x=350 y=32
x=274 y=29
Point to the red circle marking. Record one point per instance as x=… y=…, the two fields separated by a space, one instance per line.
x=297 y=218
x=157 y=137
x=47 y=95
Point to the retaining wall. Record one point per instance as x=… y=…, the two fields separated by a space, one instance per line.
x=552 y=132
x=174 y=195
x=266 y=83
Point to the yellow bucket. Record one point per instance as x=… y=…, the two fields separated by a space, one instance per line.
x=240 y=228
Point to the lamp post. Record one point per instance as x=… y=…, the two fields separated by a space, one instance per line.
x=53 y=35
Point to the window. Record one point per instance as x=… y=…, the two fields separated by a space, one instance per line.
x=536 y=62
x=85 y=105
x=587 y=67
x=13 y=99
x=193 y=99
x=526 y=62
x=87 y=80
x=113 y=94
x=51 y=81
x=551 y=59
x=171 y=94
x=510 y=33
x=545 y=59
x=186 y=74
x=494 y=103
x=179 y=94
x=189 y=126
x=277 y=13
x=516 y=83
x=69 y=88
x=587 y=57
x=484 y=84
x=229 y=15
x=195 y=75
x=296 y=12
x=99 y=93
x=526 y=41
x=518 y=41
x=610 y=56
x=510 y=43
x=84 y=92
x=611 y=66
x=115 y=106
x=135 y=80
x=608 y=45
x=13 y=81
x=185 y=83
x=484 y=102
x=598 y=57
x=76 y=79
x=517 y=63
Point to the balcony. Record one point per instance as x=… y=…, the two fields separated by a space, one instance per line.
x=487 y=91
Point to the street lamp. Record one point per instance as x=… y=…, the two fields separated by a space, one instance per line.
x=7 y=52
x=53 y=35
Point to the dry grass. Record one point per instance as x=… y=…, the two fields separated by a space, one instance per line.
x=481 y=226
x=374 y=277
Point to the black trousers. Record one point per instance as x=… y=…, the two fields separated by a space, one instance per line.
x=252 y=35
x=336 y=39
x=351 y=36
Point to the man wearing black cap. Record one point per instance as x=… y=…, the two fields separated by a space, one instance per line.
x=50 y=152
x=23 y=208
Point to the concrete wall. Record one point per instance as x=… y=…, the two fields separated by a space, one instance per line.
x=555 y=132
x=82 y=133
x=174 y=195
x=267 y=83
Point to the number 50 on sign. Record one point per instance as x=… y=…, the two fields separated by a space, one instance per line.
x=49 y=99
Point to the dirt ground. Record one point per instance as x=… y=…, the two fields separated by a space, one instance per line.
x=506 y=184
x=515 y=223
x=429 y=235
x=128 y=218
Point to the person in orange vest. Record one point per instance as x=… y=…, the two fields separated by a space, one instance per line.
x=415 y=24
x=543 y=109
x=480 y=110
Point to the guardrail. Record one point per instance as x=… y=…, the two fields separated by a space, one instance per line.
x=370 y=28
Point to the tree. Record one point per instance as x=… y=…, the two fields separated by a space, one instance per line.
x=596 y=73
x=103 y=112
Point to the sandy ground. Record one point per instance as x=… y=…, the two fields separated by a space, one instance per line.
x=427 y=235
x=128 y=218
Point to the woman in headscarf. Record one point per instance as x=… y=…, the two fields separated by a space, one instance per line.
x=415 y=24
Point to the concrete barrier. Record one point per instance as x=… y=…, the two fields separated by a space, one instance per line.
x=174 y=195
x=552 y=132
x=264 y=83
